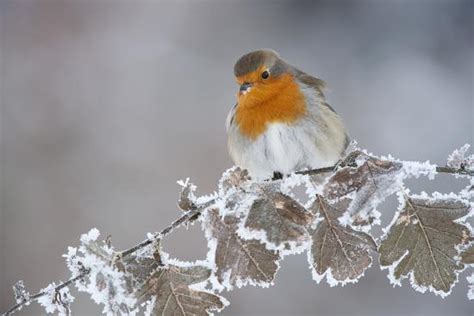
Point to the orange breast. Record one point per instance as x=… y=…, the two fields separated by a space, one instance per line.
x=278 y=101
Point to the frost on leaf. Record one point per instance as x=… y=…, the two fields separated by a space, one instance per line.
x=467 y=256
x=105 y=282
x=56 y=300
x=187 y=198
x=459 y=160
x=470 y=293
x=338 y=251
x=233 y=178
x=234 y=190
x=422 y=243
x=280 y=219
x=167 y=290
x=20 y=292
x=366 y=179
x=238 y=261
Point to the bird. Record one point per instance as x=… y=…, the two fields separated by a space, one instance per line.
x=281 y=122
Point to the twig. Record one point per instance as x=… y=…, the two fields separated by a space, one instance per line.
x=177 y=222
x=184 y=219
x=317 y=171
x=167 y=230
x=455 y=171
x=36 y=296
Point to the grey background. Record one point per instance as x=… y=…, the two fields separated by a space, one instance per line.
x=105 y=104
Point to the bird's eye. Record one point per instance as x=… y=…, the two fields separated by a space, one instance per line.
x=265 y=74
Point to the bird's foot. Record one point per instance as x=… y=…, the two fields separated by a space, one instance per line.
x=277 y=175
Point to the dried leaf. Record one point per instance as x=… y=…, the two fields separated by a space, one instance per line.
x=233 y=178
x=282 y=220
x=467 y=256
x=140 y=268
x=187 y=197
x=338 y=251
x=368 y=180
x=168 y=289
x=105 y=282
x=238 y=261
x=422 y=243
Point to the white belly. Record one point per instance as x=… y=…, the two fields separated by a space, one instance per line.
x=282 y=149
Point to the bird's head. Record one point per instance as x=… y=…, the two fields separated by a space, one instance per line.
x=261 y=75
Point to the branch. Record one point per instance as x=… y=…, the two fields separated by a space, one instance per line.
x=451 y=170
x=158 y=236
x=36 y=296
x=185 y=218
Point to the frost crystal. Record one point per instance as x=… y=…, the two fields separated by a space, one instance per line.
x=366 y=181
x=279 y=222
x=167 y=290
x=470 y=293
x=457 y=159
x=105 y=283
x=56 y=300
x=417 y=169
x=20 y=292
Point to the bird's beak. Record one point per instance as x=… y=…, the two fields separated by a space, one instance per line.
x=244 y=88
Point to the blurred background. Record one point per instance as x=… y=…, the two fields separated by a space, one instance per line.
x=105 y=104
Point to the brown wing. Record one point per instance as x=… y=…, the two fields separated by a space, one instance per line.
x=316 y=83
x=319 y=85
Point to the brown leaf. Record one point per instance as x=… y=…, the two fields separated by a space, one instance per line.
x=337 y=249
x=239 y=261
x=370 y=180
x=282 y=219
x=167 y=285
x=422 y=243
x=170 y=287
x=233 y=178
x=186 y=198
x=139 y=268
x=467 y=256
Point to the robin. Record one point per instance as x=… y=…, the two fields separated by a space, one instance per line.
x=281 y=122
